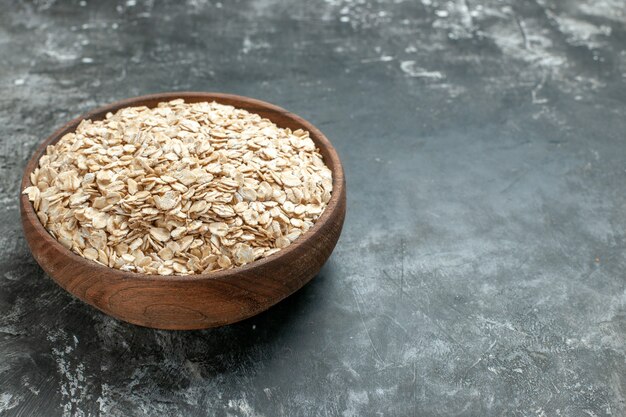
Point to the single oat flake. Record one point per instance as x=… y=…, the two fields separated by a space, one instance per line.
x=180 y=189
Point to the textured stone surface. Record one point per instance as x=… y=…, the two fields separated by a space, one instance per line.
x=481 y=268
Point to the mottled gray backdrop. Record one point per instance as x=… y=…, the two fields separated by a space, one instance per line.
x=482 y=268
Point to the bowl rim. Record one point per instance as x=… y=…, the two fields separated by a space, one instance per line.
x=331 y=159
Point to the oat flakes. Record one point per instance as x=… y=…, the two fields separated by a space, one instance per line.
x=181 y=189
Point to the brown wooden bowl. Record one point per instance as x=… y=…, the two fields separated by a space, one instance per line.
x=193 y=301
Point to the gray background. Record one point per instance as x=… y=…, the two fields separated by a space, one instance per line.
x=481 y=267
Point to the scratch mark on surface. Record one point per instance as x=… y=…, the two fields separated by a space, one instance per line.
x=358 y=304
x=402 y=254
x=616 y=384
x=522 y=29
x=514 y=181
x=505 y=325
x=535 y=91
x=394 y=321
x=482 y=355
x=412 y=70
x=432 y=320
x=384 y=58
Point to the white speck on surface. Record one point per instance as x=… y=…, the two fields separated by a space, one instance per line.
x=104 y=401
x=606 y=9
x=7 y=401
x=456 y=19
x=532 y=46
x=72 y=372
x=383 y=58
x=242 y=407
x=453 y=90
x=87 y=60
x=250 y=45
x=114 y=26
x=131 y=3
x=358 y=13
x=581 y=33
x=82 y=3
x=356 y=403
x=61 y=56
x=19 y=81
x=31 y=388
x=536 y=99
x=412 y=70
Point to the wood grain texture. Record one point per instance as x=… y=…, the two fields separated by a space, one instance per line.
x=195 y=301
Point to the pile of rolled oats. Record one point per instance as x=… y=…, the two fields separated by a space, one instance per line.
x=180 y=188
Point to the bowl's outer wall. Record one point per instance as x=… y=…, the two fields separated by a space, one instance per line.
x=197 y=301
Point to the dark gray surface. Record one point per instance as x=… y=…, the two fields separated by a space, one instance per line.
x=481 y=267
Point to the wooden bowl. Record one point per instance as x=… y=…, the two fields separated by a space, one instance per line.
x=193 y=301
